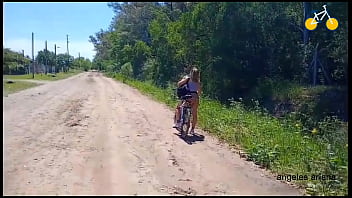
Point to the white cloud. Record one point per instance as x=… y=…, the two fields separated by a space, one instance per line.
x=85 y=48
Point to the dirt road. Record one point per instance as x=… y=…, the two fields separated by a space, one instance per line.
x=90 y=135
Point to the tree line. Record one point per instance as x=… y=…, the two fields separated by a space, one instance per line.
x=236 y=45
x=45 y=61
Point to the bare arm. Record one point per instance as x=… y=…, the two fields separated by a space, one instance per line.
x=182 y=82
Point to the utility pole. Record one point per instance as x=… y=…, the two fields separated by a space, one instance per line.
x=16 y=64
x=55 y=61
x=46 y=57
x=79 y=59
x=22 y=62
x=68 y=54
x=306 y=14
x=32 y=55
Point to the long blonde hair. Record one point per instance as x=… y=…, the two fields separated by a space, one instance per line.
x=195 y=75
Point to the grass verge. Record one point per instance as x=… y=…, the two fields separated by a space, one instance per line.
x=9 y=88
x=51 y=77
x=291 y=151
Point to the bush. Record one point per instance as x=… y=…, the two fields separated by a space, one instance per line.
x=127 y=70
x=147 y=69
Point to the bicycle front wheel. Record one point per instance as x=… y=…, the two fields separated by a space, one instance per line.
x=185 y=128
x=332 y=24
x=311 y=24
x=186 y=121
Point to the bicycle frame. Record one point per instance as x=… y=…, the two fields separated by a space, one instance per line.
x=185 y=116
x=316 y=18
x=187 y=105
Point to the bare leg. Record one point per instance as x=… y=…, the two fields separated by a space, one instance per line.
x=177 y=117
x=194 y=113
x=177 y=113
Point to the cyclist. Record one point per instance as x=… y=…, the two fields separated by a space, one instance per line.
x=194 y=86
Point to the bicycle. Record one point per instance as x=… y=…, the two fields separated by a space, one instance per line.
x=312 y=23
x=186 y=113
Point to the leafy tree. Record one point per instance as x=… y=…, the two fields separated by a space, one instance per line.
x=46 y=58
x=236 y=45
x=81 y=63
x=141 y=53
x=14 y=62
x=63 y=62
x=127 y=69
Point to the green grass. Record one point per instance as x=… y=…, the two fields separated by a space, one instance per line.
x=16 y=86
x=58 y=76
x=281 y=145
x=282 y=90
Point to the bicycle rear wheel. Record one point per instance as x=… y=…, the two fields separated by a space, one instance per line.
x=186 y=122
x=311 y=24
x=185 y=127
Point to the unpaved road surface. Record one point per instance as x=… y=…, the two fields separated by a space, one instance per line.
x=91 y=135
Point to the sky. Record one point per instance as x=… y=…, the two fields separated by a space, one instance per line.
x=51 y=22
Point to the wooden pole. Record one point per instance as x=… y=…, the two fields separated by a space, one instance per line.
x=315 y=65
x=324 y=72
x=32 y=55
x=46 y=58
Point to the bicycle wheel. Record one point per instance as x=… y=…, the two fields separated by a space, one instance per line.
x=186 y=122
x=332 y=24
x=311 y=24
x=186 y=127
x=184 y=130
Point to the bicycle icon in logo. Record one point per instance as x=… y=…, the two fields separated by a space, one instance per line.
x=312 y=23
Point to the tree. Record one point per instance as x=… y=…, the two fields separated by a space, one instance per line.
x=81 y=63
x=14 y=62
x=63 y=62
x=236 y=45
x=141 y=52
x=46 y=58
x=127 y=70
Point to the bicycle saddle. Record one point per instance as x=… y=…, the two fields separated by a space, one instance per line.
x=186 y=97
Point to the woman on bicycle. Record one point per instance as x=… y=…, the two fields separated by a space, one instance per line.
x=195 y=90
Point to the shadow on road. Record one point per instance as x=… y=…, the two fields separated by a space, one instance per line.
x=191 y=139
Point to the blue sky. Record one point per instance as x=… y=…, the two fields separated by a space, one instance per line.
x=52 y=22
